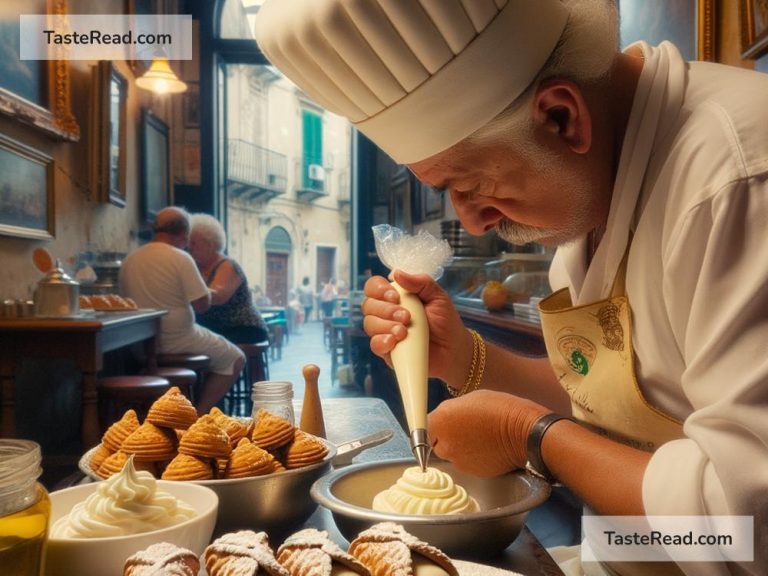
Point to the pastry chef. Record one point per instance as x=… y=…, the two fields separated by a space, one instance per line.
x=648 y=172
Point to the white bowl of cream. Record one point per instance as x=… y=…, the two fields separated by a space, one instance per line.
x=94 y=527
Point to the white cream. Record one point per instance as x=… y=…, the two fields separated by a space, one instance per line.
x=410 y=359
x=127 y=503
x=430 y=492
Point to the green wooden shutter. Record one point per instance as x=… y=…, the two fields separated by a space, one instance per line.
x=312 y=124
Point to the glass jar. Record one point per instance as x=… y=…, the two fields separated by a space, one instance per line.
x=275 y=397
x=25 y=508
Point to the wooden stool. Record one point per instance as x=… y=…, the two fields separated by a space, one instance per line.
x=276 y=336
x=120 y=393
x=237 y=401
x=183 y=378
x=198 y=363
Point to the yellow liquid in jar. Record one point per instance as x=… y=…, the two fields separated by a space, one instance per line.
x=22 y=538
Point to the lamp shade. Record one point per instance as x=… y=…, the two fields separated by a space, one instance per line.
x=160 y=78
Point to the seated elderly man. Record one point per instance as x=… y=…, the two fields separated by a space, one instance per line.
x=161 y=274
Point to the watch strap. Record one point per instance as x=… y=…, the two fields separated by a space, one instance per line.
x=535 y=464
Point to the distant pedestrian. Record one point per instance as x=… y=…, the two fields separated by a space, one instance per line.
x=328 y=298
x=306 y=298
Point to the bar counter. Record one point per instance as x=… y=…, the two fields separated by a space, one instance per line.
x=84 y=339
x=504 y=329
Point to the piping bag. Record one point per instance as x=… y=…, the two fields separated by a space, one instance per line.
x=418 y=254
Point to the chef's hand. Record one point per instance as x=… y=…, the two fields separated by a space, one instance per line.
x=450 y=345
x=483 y=433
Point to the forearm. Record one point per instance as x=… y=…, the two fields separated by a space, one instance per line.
x=505 y=371
x=606 y=475
x=523 y=376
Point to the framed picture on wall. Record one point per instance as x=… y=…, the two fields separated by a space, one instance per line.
x=155 y=160
x=32 y=91
x=753 y=16
x=26 y=191
x=688 y=24
x=109 y=128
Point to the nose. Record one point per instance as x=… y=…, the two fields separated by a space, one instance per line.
x=477 y=215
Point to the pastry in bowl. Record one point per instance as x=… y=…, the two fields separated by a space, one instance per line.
x=186 y=467
x=270 y=431
x=311 y=552
x=249 y=460
x=304 y=450
x=120 y=430
x=206 y=439
x=172 y=410
x=386 y=549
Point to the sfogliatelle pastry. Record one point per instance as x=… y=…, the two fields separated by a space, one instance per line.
x=249 y=460
x=172 y=410
x=388 y=550
x=305 y=449
x=310 y=552
x=234 y=428
x=120 y=430
x=148 y=443
x=101 y=453
x=242 y=553
x=162 y=559
x=114 y=463
x=206 y=439
x=271 y=432
x=186 y=467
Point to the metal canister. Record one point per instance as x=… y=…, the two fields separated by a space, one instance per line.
x=57 y=294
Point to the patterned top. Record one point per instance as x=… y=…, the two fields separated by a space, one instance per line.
x=236 y=313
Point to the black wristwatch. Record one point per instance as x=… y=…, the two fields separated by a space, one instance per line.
x=535 y=464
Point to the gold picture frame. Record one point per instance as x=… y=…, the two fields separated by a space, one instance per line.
x=689 y=24
x=54 y=117
x=26 y=191
x=753 y=19
x=109 y=128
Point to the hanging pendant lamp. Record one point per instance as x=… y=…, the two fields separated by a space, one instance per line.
x=160 y=78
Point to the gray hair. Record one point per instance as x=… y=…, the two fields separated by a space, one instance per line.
x=210 y=230
x=584 y=55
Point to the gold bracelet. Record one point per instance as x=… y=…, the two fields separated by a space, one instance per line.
x=476 y=369
x=480 y=363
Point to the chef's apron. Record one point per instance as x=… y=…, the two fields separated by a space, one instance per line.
x=590 y=344
x=590 y=349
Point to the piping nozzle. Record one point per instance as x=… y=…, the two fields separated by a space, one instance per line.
x=421 y=447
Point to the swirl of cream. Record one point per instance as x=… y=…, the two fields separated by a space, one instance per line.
x=127 y=503
x=430 y=492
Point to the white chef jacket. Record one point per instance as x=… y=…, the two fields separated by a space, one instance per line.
x=697 y=282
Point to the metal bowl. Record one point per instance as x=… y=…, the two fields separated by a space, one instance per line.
x=276 y=503
x=504 y=501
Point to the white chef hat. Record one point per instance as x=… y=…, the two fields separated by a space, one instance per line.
x=415 y=76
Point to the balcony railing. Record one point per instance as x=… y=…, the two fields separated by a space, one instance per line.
x=311 y=180
x=254 y=172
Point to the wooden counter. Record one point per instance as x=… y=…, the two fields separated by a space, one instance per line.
x=84 y=339
x=504 y=329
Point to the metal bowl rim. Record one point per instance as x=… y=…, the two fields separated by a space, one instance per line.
x=321 y=493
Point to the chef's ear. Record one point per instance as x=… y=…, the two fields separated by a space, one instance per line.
x=559 y=107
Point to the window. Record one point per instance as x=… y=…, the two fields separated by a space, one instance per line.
x=313 y=174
